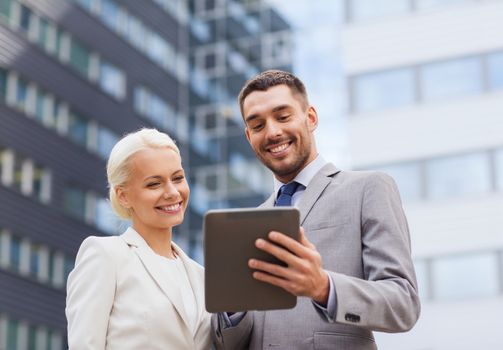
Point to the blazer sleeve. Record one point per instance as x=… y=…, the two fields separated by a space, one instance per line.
x=90 y=295
x=386 y=299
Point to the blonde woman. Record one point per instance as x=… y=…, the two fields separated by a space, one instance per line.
x=139 y=290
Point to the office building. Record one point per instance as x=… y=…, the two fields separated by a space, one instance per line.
x=74 y=77
x=425 y=85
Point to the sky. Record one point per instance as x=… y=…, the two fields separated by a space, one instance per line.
x=316 y=60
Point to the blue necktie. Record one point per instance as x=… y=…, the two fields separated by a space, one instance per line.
x=285 y=194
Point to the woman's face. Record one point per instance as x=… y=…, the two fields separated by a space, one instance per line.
x=156 y=192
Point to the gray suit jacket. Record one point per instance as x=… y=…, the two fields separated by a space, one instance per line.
x=356 y=221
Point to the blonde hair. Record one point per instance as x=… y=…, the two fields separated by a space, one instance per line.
x=118 y=170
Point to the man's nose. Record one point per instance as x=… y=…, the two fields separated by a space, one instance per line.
x=273 y=130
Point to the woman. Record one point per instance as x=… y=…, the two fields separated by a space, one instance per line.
x=139 y=290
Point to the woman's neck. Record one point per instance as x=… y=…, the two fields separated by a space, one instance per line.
x=158 y=240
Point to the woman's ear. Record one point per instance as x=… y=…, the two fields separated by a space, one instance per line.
x=120 y=192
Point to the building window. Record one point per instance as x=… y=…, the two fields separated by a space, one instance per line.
x=15 y=253
x=449 y=276
x=154 y=108
x=25 y=18
x=277 y=49
x=45 y=34
x=458 y=175
x=383 y=90
x=32 y=337
x=361 y=10
x=110 y=14
x=80 y=58
x=112 y=80
x=452 y=78
x=74 y=202
x=136 y=33
x=3 y=84
x=78 y=129
x=495 y=62
x=21 y=96
x=12 y=334
x=5 y=8
x=34 y=260
x=408 y=177
x=211 y=59
x=106 y=141
x=19 y=175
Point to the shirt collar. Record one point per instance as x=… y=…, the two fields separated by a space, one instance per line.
x=306 y=175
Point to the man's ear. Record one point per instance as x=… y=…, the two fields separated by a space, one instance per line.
x=247 y=133
x=121 y=197
x=312 y=118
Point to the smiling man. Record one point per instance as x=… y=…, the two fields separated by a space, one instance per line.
x=352 y=268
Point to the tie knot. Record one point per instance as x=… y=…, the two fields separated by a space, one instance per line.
x=285 y=194
x=289 y=188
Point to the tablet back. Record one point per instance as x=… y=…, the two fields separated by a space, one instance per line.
x=229 y=242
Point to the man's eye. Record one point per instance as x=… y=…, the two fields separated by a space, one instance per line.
x=257 y=127
x=283 y=117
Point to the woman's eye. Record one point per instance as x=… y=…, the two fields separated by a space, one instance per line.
x=153 y=184
x=178 y=178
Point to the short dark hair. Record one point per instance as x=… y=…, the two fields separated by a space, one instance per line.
x=270 y=78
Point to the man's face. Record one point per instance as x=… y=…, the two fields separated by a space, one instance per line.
x=280 y=129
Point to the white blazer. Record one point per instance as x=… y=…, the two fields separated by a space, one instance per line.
x=118 y=298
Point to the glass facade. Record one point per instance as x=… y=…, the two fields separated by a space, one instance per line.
x=426 y=83
x=452 y=78
x=384 y=90
x=458 y=175
x=495 y=63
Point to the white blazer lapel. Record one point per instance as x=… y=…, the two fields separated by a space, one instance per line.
x=196 y=279
x=167 y=284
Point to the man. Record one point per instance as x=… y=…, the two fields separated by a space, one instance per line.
x=352 y=268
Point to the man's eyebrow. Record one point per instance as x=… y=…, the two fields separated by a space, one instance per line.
x=279 y=108
x=251 y=117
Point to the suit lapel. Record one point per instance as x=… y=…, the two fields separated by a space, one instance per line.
x=149 y=259
x=314 y=189
x=195 y=278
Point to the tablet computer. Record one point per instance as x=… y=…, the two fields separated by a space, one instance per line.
x=229 y=242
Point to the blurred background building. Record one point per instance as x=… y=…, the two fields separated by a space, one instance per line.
x=425 y=88
x=74 y=77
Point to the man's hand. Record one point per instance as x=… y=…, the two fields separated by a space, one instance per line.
x=303 y=275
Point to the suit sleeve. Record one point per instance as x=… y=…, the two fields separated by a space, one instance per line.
x=90 y=295
x=386 y=299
